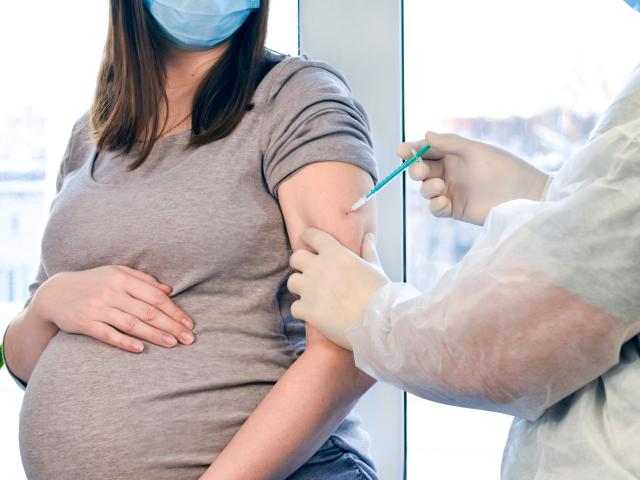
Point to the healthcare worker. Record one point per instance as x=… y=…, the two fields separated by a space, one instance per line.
x=541 y=318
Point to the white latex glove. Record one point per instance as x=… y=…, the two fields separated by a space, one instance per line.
x=334 y=284
x=464 y=179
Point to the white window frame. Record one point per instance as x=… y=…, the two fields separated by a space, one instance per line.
x=363 y=40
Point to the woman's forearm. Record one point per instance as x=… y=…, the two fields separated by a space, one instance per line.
x=297 y=416
x=25 y=339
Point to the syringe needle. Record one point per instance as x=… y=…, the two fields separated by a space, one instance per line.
x=359 y=203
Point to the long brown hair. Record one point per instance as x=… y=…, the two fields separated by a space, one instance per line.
x=131 y=83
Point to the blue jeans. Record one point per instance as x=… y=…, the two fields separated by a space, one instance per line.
x=336 y=461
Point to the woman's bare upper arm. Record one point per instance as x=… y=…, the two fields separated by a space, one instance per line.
x=320 y=195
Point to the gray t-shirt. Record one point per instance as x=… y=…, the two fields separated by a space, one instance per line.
x=207 y=222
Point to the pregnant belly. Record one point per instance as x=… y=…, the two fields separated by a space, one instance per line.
x=92 y=411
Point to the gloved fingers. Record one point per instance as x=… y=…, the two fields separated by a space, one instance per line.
x=447 y=143
x=318 y=240
x=433 y=187
x=420 y=171
x=405 y=151
x=441 y=144
x=301 y=260
x=369 y=253
x=300 y=310
x=441 y=206
x=295 y=284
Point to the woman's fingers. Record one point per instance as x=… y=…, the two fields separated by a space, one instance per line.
x=107 y=334
x=144 y=277
x=150 y=314
x=132 y=325
x=433 y=187
x=441 y=206
x=157 y=298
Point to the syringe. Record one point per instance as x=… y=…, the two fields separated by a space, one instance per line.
x=374 y=191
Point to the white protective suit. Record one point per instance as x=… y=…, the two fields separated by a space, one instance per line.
x=540 y=320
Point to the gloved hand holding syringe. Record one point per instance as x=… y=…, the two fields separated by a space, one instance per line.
x=383 y=183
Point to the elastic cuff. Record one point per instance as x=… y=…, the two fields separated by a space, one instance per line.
x=370 y=335
x=550 y=177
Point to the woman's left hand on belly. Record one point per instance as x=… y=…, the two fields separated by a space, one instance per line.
x=111 y=301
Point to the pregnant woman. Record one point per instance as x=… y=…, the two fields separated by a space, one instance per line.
x=157 y=341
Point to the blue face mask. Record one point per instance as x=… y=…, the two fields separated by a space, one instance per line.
x=200 y=24
x=635 y=4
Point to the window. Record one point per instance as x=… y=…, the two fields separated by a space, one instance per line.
x=47 y=83
x=533 y=77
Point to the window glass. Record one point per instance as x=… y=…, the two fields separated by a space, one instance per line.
x=50 y=62
x=532 y=77
x=283 y=26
